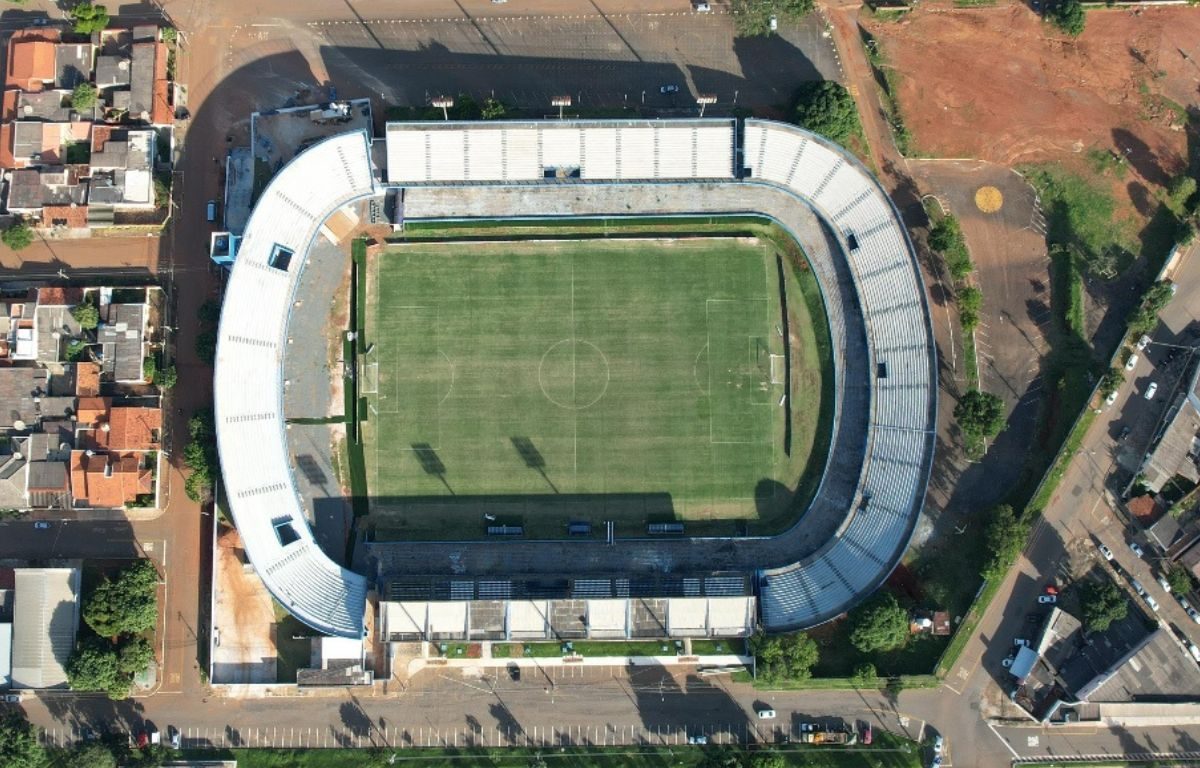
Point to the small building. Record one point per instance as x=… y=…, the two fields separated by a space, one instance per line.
x=72 y=64
x=103 y=427
x=32 y=188
x=21 y=392
x=122 y=337
x=1177 y=450
x=122 y=165
x=45 y=622
x=31 y=64
x=109 y=480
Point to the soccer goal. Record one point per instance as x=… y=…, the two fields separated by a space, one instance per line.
x=369 y=385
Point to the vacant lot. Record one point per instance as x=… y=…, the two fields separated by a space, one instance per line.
x=1001 y=85
x=631 y=381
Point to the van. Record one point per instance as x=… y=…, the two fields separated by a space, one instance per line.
x=210 y=211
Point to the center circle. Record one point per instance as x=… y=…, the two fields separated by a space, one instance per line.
x=573 y=374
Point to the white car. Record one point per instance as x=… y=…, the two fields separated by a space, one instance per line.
x=1112 y=397
x=702 y=7
x=766 y=714
x=1191 y=612
x=1166 y=585
x=1143 y=342
x=1192 y=649
x=1007 y=662
x=1151 y=390
x=1106 y=552
x=1131 y=363
x=1137 y=549
x=938 y=744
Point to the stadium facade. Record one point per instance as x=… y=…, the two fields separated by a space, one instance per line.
x=842 y=548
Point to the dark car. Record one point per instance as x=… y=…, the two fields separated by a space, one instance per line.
x=514 y=672
x=1124 y=433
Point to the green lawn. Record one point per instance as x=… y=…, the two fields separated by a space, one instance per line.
x=596 y=380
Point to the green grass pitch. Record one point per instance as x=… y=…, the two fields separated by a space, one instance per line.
x=542 y=382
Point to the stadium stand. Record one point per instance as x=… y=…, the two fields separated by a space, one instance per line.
x=258 y=475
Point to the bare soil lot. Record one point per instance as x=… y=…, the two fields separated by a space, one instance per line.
x=999 y=84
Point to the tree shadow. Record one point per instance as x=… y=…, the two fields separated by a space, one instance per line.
x=1141 y=157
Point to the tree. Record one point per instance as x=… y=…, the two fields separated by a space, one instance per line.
x=865 y=676
x=946 y=238
x=768 y=760
x=1111 y=381
x=166 y=378
x=89 y=18
x=1005 y=538
x=1103 y=603
x=94 y=667
x=970 y=300
x=828 y=109
x=76 y=350
x=1179 y=194
x=83 y=98
x=200 y=456
x=92 y=754
x=785 y=657
x=86 y=314
x=19 y=745
x=18 y=236
x=134 y=656
x=206 y=346
x=1145 y=317
x=209 y=312
x=493 y=109
x=1067 y=15
x=149 y=368
x=980 y=414
x=752 y=18
x=127 y=604
x=1180 y=580
x=880 y=624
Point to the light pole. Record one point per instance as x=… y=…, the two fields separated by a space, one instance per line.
x=560 y=102
x=445 y=102
x=704 y=100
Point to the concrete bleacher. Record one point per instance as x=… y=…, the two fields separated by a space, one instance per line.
x=248 y=385
x=902 y=421
x=504 y=151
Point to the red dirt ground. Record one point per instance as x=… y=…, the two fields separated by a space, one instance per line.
x=999 y=84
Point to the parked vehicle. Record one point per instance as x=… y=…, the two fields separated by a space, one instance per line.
x=1166 y=585
x=1124 y=434
x=766 y=714
x=865 y=734
x=1131 y=363
x=41 y=525
x=665 y=89
x=1137 y=549
x=1151 y=390
x=698 y=740
x=938 y=744
x=210 y=211
x=173 y=736
x=1150 y=601
x=1047 y=599
x=1191 y=612
x=1108 y=555
x=831 y=736
x=1137 y=587
x=1192 y=649
x=1142 y=342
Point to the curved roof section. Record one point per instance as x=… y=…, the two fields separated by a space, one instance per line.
x=903 y=413
x=248 y=384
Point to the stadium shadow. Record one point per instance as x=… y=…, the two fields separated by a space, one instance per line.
x=677 y=707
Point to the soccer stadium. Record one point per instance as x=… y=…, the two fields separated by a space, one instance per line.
x=717 y=416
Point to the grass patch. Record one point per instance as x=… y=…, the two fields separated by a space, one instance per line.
x=734 y=645
x=527 y=650
x=541 y=384
x=838 y=683
x=888 y=751
x=627 y=648
x=1104 y=162
x=292 y=654
x=888 y=80
x=1081 y=216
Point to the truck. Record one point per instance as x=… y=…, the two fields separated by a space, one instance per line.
x=811 y=733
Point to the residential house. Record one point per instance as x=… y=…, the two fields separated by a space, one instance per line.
x=104 y=427
x=31 y=64
x=1176 y=453
x=106 y=480
x=17 y=333
x=122 y=337
x=72 y=64
x=30 y=189
x=122 y=164
x=55 y=323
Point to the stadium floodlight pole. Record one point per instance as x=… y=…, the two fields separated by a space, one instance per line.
x=704 y=100
x=560 y=102
x=445 y=102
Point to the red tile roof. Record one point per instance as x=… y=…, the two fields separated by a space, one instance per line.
x=59 y=297
x=30 y=63
x=108 y=480
x=160 y=111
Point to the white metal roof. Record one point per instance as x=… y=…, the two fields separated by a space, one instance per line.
x=248 y=384
x=45 y=620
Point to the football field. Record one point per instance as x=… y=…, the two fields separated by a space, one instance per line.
x=543 y=382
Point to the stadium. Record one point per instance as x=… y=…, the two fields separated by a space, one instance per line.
x=590 y=364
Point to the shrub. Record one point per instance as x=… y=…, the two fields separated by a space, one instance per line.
x=493 y=109
x=880 y=624
x=1180 y=580
x=752 y=18
x=1068 y=16
x=1005 y=538
x=865 y=675
x=206 y=346
x=946 y=238
x=19 y=743
x=149 y=368
x=18 y=236
x=785 y=657
x=828 y=109
x=166 y=378
x=1145 y=317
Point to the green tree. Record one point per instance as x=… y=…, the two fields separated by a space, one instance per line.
x=83 y=98
x=970 y=300
x=880 y=624
x=19 y=745
x=1145 y=317
x=206 y=346
x=752 y=18
x=1068 y=16
x=166 y=378
x=1103 y=603
x=865 y=675
x=149 y=368
x=828 y=109
x=200 y=456
x=1180 y=580
x=86 y=314
x=1111 y=381
x=1180 y=191
x=946 y=238
x=17 y=237
x=92 y=754
x=76 y=350
x=94 y=667
x=89 y=18
x=134 y=656
x=785 y=657
x=1005 y=538
x=209 y=312
x=493 y=109
x=768 y=760
x=980 y=414
x=127 y=604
